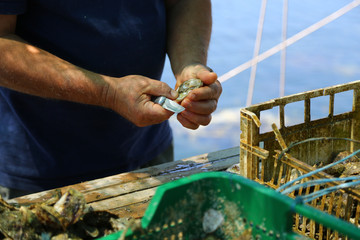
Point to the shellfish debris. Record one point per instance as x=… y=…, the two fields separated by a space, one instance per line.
x=61 y=217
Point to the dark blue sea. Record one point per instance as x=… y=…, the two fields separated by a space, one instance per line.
x=327 y=57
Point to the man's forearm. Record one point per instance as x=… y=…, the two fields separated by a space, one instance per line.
x=27 y=69
x=30 y=70
x=189 y=30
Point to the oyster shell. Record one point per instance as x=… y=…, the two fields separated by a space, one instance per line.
x=186 y=87
x=18 y=223
x=71 y=207
x=47 y=216
x=59 y=217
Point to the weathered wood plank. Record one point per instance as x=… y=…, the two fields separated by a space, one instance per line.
x=124 y=200
x=128 y=194
x=136 y=210
x=135 y=191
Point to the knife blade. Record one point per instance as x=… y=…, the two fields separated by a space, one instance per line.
x=169 y=104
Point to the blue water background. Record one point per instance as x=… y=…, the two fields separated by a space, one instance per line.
x=325 y=58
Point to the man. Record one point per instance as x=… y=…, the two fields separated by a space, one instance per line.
x=77 y=79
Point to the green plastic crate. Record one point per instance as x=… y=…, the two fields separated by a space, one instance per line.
x=248 y=210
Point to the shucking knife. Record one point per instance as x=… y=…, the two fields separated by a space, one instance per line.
x=169 y=104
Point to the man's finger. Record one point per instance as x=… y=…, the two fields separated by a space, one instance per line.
x=208 y=77
x=199 y=119
x=200 y=107
x=211 y=92
x=186 y=123
x=157 y=88
x=152 y=113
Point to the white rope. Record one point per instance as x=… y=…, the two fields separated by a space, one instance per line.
x=256 y=52
x=283 y=51
x=289 y=41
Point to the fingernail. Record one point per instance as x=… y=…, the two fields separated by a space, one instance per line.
x=210 y=70
x=174 y=93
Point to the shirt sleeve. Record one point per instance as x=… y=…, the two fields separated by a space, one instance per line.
x=12 y=6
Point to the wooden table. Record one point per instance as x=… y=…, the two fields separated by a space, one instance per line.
x=128 y=194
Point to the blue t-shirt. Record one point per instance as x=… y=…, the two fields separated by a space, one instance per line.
x=48 y=143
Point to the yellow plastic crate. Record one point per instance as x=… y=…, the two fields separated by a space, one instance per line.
x=260 y=150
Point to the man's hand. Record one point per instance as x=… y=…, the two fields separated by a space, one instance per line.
x=201 y=102
x=189 y=30
x=130 y=96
